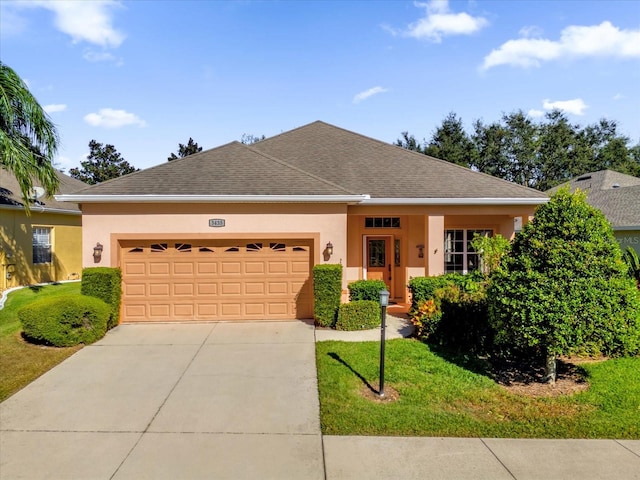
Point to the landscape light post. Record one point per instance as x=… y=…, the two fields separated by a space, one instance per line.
x=384 y=302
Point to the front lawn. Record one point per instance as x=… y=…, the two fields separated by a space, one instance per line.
x=22 y=362
x=440 y=398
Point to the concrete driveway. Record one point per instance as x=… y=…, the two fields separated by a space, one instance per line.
x=240 y=401
x=214 y=400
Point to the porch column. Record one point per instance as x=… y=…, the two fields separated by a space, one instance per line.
x=434 y=246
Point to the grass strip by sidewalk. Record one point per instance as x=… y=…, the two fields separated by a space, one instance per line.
x=22 y=362
x=440 y=398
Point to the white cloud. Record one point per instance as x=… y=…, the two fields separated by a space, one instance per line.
x=440 y=22
x=575 y=106
x=85 y=21
x=54 y=107
x=110 y=118
x=618 y=96
x=535 y=113
x=530 y=31
x=604 y=40
x=368 y=93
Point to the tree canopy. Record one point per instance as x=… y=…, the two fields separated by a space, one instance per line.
x=564 y=288
x=248 y=138
x=185 y=150
x=540 y=154
x=28 y=138
x=103 y=163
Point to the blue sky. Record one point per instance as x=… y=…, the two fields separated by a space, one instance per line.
x=145 y=76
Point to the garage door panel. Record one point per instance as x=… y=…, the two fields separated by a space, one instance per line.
x=135 y=268
x=183 y=310
x=159 y=268
x=228 y=288
x=206 y=310
x=254 y=288
x=207 y=289
x=196 y=280
x=231 y=310
x=159 y=290
x=278 y=288
x=183 y=289
x=159 y=311
x=135 y=290
x=252 y=268
x=254 y=309
x=207 y=268
x=183 y=268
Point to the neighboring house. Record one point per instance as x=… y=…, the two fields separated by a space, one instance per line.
x=618 y=196
x=233 y=232
x=45 y=246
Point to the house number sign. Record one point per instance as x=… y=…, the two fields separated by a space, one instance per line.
x=216 y=222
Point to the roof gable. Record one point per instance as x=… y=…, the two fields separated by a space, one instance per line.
x=314 y=160
x=10 y=192
x=232 y=169
x=368 y=166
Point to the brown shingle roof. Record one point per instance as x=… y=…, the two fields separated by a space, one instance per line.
x=10 y=192
x=617 y=195
x=368 y=166
x=316 y=159
x=232 y=169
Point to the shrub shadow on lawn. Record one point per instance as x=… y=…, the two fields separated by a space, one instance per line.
x=339 y=359
x=469 y=361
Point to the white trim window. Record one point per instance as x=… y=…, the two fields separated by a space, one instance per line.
x=459 y=255
x=41 y=245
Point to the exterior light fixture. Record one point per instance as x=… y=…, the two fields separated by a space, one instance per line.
x=97 y=252
x=384 y=303
x=329 y=248
x=420 y=250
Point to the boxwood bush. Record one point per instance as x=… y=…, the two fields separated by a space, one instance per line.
x=65 y=321
x=366 y=290
x=327 y=293
x=358 y=315
x=104 y=283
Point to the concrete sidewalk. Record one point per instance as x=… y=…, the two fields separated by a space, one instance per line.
x=239 y=401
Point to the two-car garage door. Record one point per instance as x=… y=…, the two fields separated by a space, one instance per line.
x=168 y=280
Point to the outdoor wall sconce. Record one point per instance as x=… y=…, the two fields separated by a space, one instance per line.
x=97 y=252
x=329 y=249
x=420 y=250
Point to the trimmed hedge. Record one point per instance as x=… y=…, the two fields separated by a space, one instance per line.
x=65 y=321
x=366 y=290
x=358 y=315
x=327 y=293
x=106 y=284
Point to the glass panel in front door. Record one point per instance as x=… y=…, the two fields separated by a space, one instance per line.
x=377 y=253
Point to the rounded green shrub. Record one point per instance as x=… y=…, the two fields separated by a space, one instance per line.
x=65 y=321
x=366 y=290
x=358 y=315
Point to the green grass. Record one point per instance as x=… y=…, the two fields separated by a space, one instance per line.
x=440 y=398
x=20 y=361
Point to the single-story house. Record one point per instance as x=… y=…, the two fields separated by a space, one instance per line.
x=617 y=196
x=45 y=246
x=233 y=232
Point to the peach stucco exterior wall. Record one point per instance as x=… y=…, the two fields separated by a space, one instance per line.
x=105 y=223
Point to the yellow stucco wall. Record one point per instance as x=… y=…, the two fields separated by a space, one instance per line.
x=16 y=247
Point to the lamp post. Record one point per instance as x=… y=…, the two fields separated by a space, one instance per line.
x=384 y=302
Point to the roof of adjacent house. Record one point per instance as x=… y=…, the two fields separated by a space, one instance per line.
x=617 y=195
x=10 y=195
x=316 y=159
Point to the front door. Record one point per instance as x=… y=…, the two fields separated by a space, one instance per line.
x=379 y=260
